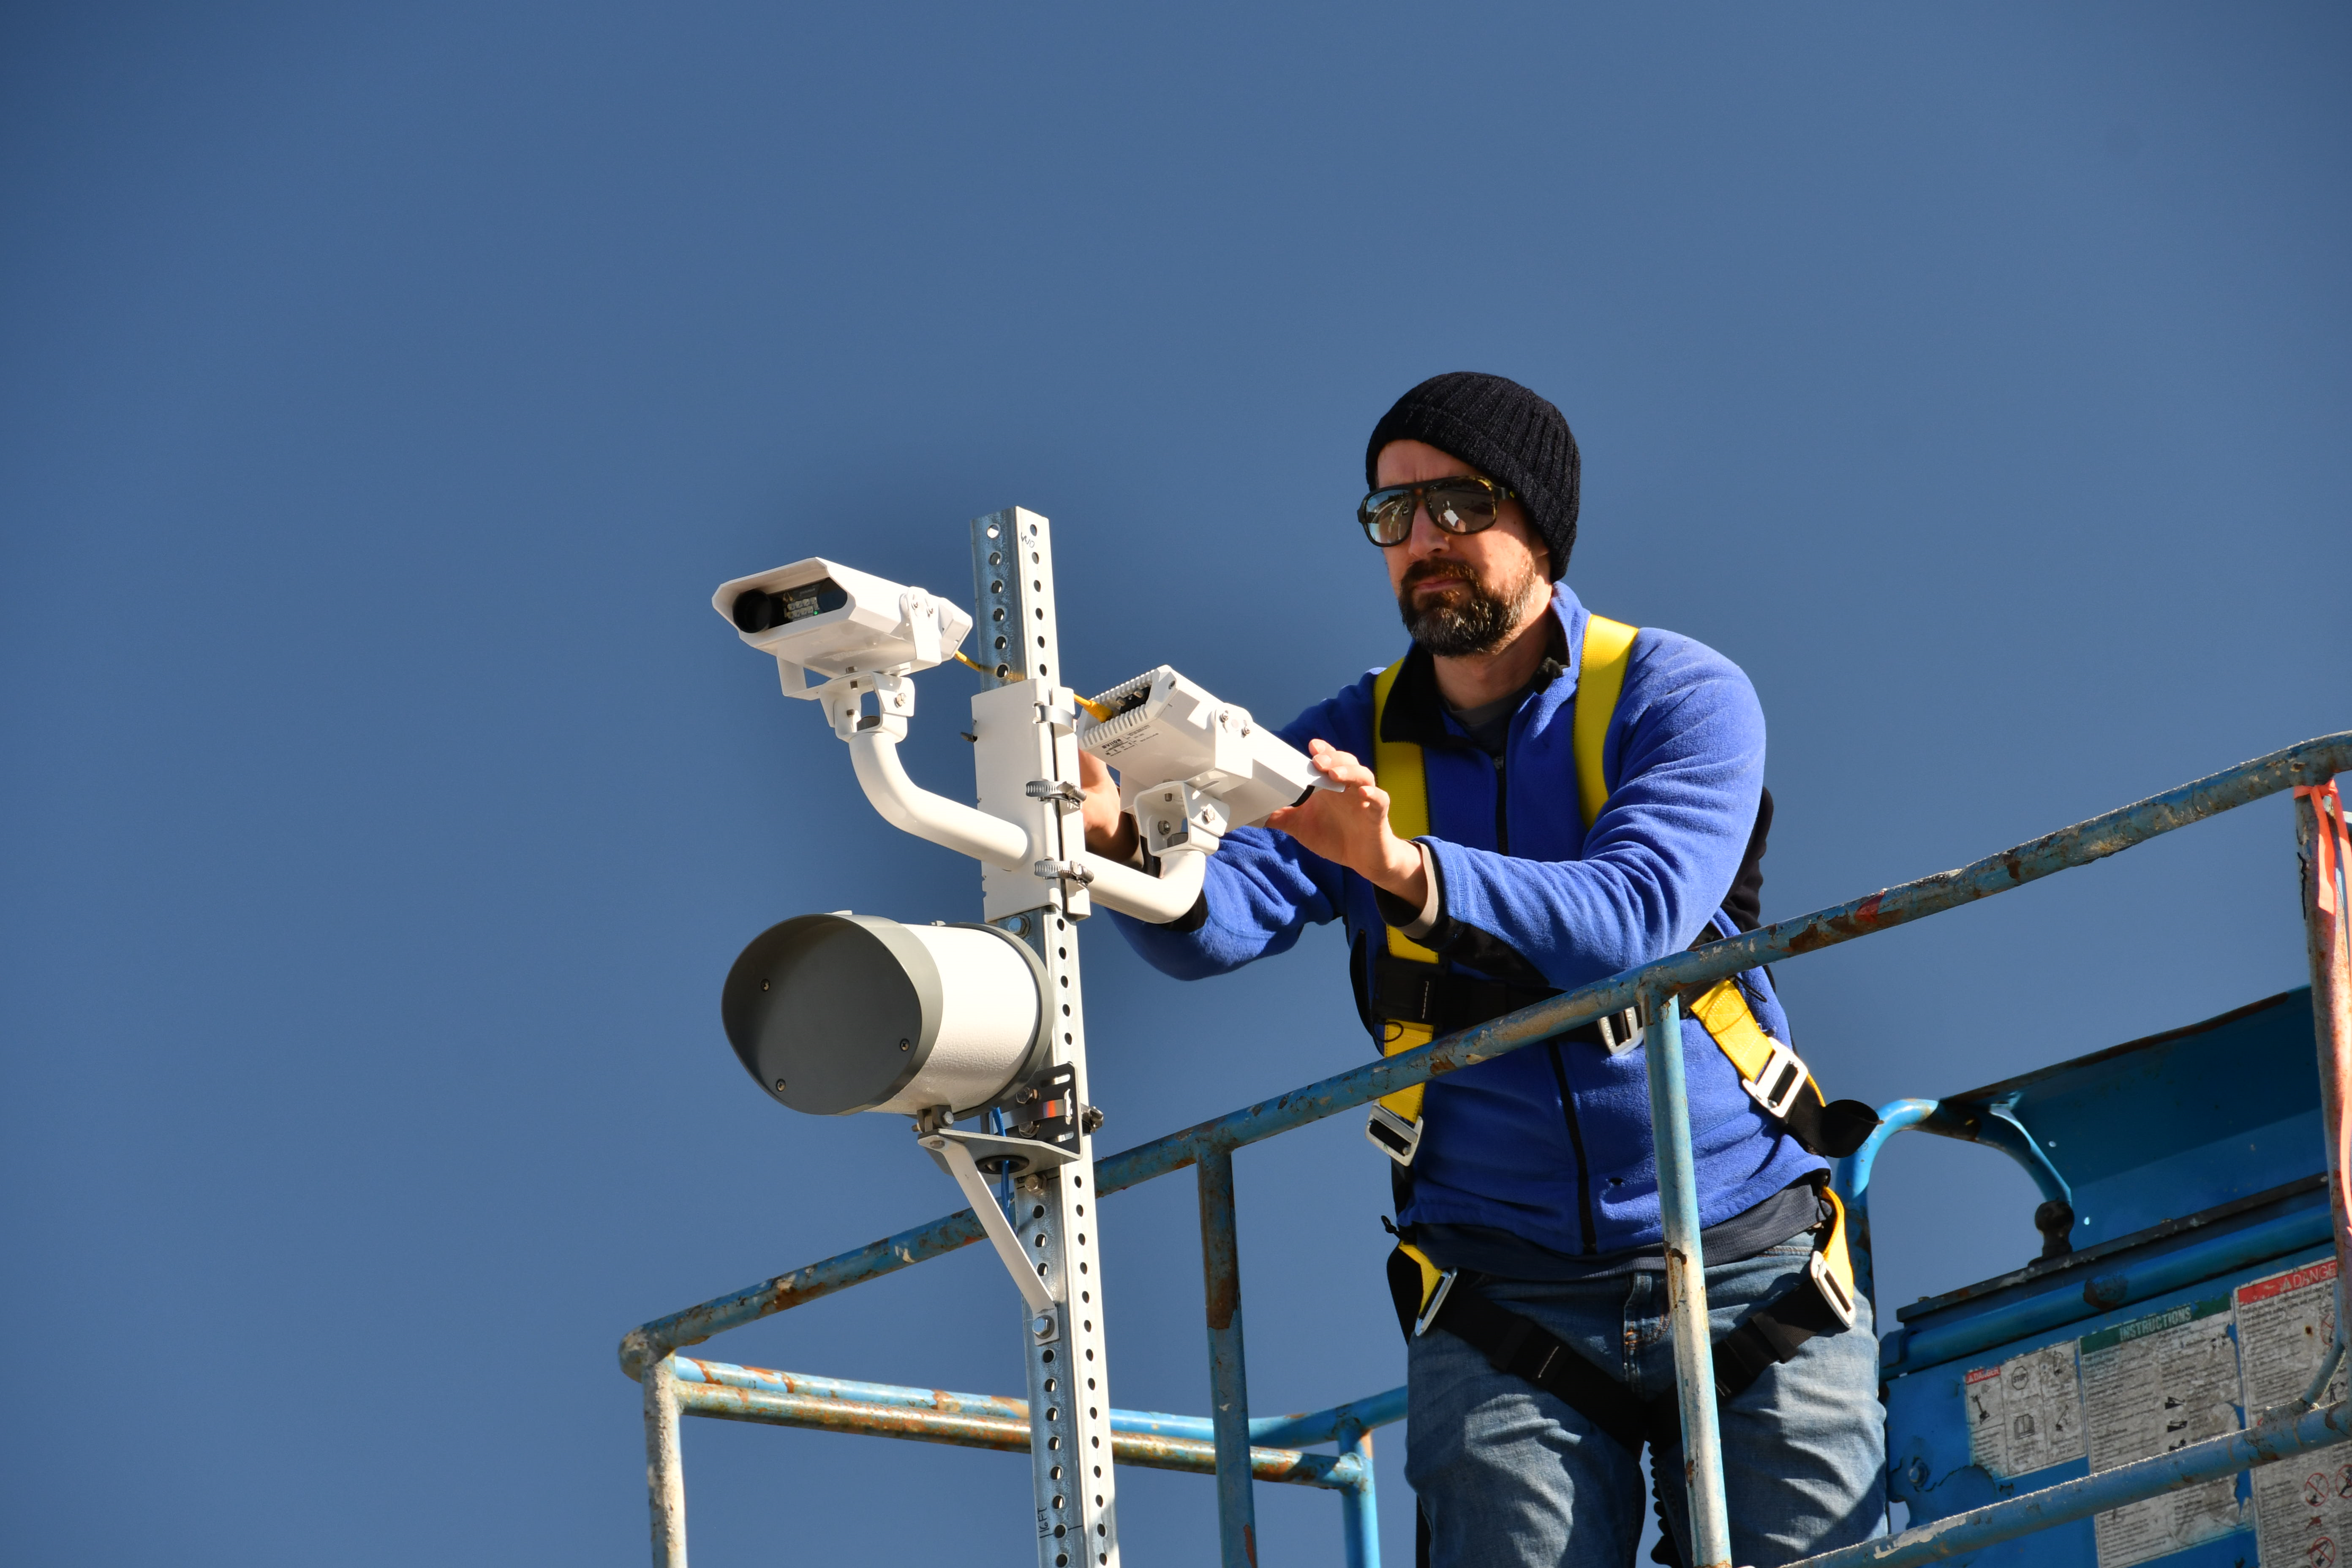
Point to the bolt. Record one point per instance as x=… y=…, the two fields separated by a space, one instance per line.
x=904 y=1046
x=1041 y=1325
x=780 y=1086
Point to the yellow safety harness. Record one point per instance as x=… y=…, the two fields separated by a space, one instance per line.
x=1775 y=1076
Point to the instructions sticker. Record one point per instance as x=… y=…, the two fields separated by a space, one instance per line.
x=2027 y=1412
x=2150 y=1387
x=2303 y=1505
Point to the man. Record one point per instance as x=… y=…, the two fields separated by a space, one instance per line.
x=1556 y=836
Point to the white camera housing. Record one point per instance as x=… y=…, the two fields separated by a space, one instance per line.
x=821 y=619
x=1166 y=733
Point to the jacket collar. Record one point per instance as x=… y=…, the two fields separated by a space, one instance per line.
x=1416 y=712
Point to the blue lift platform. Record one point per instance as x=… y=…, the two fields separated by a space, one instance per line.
x=2162 y=1384
x=2181 y=1175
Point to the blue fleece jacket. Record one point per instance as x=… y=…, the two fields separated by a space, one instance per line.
x=1552 y=1142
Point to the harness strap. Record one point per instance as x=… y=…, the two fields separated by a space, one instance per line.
x=1394 y=1126
x=1821 y=1302
x=1776 y=1079
x=1415 y=998
x=1395 y=1123
x=1524 y=1348
x=1600 y=680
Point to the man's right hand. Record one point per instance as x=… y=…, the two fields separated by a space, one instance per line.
x=1110 y=832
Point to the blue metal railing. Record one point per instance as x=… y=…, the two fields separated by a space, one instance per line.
x=1653 y=989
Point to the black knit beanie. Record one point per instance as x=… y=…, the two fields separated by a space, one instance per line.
x=1503 y=431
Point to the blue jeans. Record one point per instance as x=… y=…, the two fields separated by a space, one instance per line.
x=1507 y=1474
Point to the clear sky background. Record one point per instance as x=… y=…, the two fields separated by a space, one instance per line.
x=386 y=390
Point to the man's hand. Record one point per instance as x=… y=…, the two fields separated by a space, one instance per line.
x=1110 y=832
x=1350 y=825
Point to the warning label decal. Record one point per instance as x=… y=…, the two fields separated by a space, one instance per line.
x=2302 y=1506
x=2027 y=1412
x=2150 y=1387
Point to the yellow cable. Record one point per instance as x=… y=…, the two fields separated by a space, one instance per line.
x=1102 y=714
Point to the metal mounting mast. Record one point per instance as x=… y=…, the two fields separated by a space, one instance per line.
x=1024 y=744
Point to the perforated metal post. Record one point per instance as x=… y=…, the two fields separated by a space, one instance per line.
x=1018 y=739
x=1710 y=1519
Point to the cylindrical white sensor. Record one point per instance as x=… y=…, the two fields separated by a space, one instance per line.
x=839 y=1013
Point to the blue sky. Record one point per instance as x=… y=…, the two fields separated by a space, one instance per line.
x=385 y=391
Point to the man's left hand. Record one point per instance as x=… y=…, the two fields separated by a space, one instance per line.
x=1350 y=825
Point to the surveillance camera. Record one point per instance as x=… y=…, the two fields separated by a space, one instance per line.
x=831 y=620
x=1164 y=731
x=841 y=1013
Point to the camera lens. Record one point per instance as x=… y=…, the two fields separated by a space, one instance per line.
x=756 y=611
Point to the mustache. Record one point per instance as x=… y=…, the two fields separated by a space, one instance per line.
x=1437 y=572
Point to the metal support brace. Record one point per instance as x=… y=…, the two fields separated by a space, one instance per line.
x=1027 y=1277
x=1710 y=1519
x=1220 y=1271
x=2327 y=943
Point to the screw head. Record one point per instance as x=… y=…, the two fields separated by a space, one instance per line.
x=904 y=1046
x=1041 y=1325
x=780 y=1086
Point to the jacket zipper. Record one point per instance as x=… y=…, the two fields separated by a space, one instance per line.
x=1502 y=801
x=1576 y=1141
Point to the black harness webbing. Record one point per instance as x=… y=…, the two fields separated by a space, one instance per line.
x=1768 y=1335
x=1525 y=1347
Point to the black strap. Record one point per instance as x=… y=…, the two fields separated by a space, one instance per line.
x=1406 y=991
x=1770 y=1334
x=1833 y=1131
x=1525 y=1347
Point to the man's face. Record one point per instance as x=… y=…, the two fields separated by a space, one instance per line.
x=1461 y=593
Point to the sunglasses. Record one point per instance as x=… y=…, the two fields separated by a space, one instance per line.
x=1459 y=503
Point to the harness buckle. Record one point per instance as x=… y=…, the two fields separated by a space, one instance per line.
x=1620 y=1032
x=1436 y=1304
x=1393 y=1135
x=1833 y=1291
x=1778 y=1085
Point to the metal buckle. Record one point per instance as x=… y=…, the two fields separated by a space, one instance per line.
x=1620 y=1032
x=1436 y=1304
x=1832 y=1290
x=1776 y=1088
x=1393 y=1135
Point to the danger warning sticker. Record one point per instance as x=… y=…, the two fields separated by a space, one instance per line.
x=2302 y=1506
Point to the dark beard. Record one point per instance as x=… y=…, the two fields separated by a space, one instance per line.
x=1479 y=623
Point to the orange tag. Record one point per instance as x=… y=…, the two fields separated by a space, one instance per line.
x=2334 y=841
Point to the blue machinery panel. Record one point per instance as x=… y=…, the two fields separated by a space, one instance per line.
x=2197 y=1160
x=2171 y=1170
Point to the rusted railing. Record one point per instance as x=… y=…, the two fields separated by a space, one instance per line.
x=1275 y=1448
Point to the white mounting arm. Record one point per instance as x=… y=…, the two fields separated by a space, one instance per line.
x=1159 y=899
x=906 y=805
